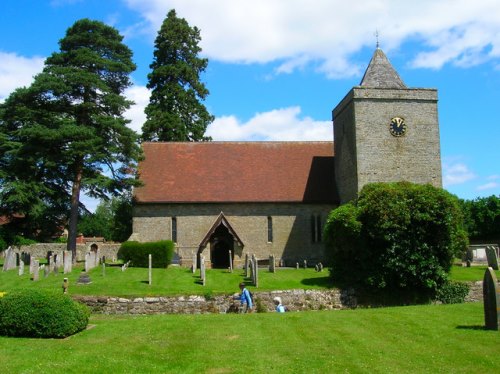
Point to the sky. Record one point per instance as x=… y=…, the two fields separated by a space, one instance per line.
x=277 y=68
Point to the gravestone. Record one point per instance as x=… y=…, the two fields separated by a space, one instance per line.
x=103 y=269
x=21 y=267
x=46 y=270
x=195 y=260
x=491 y=255
x=36 y=270
x=84 y=279
x=32 y=264
x=305 y=264
x=9 y=260
x=68 y=261
x=230 y=261
x=297 y=266
x=491 y=300
x=272 y=264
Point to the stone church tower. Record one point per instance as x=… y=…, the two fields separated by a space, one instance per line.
x=385 y=132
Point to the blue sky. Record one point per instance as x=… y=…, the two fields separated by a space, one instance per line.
x=278 y=67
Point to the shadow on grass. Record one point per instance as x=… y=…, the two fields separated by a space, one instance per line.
x=325 y=281
x=473 y=327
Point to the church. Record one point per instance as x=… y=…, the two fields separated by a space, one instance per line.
x=226 y=200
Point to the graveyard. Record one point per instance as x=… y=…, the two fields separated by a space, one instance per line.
x=392 y=339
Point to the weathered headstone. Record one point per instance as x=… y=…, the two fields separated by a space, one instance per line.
x=150 y=263
x=305 y=264
x=21 y=267
x=9 y=260
x=256 y=274
x=68 y=261
x=491 y=255
x=103 y=269
x=46 y=271
x=272 y=265
x=32 y=264
x=36 y=270
x=230 y=261
x=195 y=260
x=84 y=278
x=320 y=267
x=297 y=266
x=491 y=300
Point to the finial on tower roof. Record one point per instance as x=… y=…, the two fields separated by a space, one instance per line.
x=376 y=36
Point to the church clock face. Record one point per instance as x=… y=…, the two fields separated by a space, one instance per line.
x=397 y=126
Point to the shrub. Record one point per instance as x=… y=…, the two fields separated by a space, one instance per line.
x=453 y=293
x=137 y=253
x=41 y=314
x=397 y=238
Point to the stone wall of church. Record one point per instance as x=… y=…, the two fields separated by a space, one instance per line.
x=292 y=226
x=365 y=115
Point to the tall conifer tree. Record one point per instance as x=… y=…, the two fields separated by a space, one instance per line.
x=175 y=111
x=66 y=133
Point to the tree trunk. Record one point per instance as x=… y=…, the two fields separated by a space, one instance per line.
x=75 y=202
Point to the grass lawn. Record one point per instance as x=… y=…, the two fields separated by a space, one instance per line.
x=177 y=281
x=416 y=339
x=172 y=281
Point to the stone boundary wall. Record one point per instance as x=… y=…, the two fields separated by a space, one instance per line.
x=40 y=250
x=294 y=300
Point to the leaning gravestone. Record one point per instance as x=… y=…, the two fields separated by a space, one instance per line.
x=491 y=255
x=491 y=300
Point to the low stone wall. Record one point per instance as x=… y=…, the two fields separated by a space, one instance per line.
x=294 y=300
x=40 y=250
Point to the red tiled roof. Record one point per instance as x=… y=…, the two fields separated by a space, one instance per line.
x=237 y=172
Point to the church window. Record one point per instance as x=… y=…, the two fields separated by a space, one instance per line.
x=174 y=229
x=269 y=229
x=316 y=228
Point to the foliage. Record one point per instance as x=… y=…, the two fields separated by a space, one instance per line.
x=398 y=239
x=66 y=132
x=138 y=253
x=41 y=314
x=453 y=292
x=482 y=217
x=174 y=112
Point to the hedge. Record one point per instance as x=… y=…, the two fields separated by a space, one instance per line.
x=137 y=253
x=41 y=314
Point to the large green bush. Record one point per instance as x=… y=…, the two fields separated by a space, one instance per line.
x=41 y=314
x=137 y=253
x=397 y=239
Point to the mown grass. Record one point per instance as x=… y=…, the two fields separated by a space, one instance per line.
x=176 y=281
x=416 y=339
x=171 y=281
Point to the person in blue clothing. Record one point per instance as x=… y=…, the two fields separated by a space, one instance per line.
x=246 y=304
x=279 y=306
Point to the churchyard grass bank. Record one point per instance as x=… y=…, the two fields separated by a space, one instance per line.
x=416 y=339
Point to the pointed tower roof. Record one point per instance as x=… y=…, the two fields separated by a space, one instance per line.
x=380 y=73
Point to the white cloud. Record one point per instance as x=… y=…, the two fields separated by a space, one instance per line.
x=328 y=32
x=140 y=96
x=456 y=173
x=276 y=125
x=488 y=186
x=17 y=71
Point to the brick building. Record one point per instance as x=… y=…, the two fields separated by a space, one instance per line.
x=267 y=198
